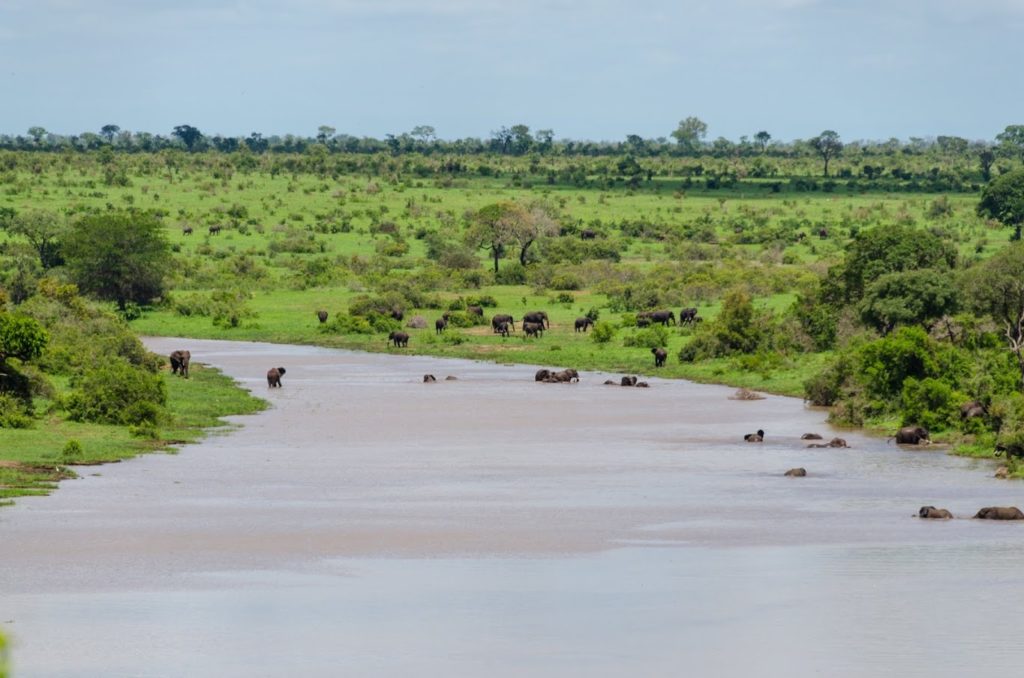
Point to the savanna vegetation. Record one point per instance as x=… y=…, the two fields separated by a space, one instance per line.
x=881 y=280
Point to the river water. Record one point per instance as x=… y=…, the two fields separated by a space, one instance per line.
x=369 y=524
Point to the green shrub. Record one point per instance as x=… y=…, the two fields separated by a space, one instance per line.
x=512 y=274
x=14 y=412
x=342 y=323
x=117 y=393
x=931 y=403
x=655 y=336
x=72 y=451
x=603 y=332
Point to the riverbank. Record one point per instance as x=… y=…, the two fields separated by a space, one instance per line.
x=34 y=460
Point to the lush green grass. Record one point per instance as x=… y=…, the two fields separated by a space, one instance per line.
x=32 y=460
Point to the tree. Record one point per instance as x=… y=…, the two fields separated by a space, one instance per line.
x=521 y=139
x=122 y=257
x=108 y=132
x=189 y=135
x=545 y=139
x=828 y=146
x=690 y=133
x=492 y=227
x=324 y=133
x=1011 y=140
x=43 y=230
x=917 y=297
x=986 y=158
x=881 y=250
x=761 y=139
x=995 y=288
x=21 y=337
x=37 y=133
x=423 y=133
x=537 y=221
x=1003 y=200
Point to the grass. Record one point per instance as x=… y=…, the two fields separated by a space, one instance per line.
x=33 y=460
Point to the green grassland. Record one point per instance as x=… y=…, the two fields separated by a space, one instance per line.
x=32 y=460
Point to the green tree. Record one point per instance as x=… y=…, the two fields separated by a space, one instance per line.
x=690 y=133
x=986 y=159
x=995 y=288
x=43 y=230
x=189 y=135
x=123 y=257
x=1003 y=200
x=1011 y=140
x=324 y=133
x=37 y=133
x=761 y=139
x=917 y=297
x=493 y=227
x=21 y=337
x=880 y=250
x=108 y=132
x=828 y=146
x=535 y=222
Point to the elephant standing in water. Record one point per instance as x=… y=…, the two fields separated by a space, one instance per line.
x=755 y=437
x=1000 y=513
x=912 y=435
x=179 y=362
x=274 y=377
x=932 y=512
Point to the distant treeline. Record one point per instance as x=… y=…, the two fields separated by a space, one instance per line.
x=688 y=140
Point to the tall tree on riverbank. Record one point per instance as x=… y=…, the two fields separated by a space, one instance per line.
x=1003 y=200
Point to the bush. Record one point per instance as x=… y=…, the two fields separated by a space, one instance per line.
x=603 y=332
x=14 y=412
x=117 y=393
x=513 y=274
x=72 y=451
x=343 y=323
x=655 y=336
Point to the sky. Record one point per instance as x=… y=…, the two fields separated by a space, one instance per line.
x=587 y=69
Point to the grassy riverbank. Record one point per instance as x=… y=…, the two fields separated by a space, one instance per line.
x=33 y=460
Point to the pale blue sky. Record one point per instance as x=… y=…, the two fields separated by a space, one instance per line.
x=594 y=69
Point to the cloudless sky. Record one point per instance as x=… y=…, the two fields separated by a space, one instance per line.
x=589 y=69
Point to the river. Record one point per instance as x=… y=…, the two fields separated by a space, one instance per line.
x=369 y=524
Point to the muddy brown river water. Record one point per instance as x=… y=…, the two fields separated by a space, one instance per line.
x=372 y=525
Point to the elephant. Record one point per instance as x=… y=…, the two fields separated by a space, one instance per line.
x=429 y=378
x=502 y=329
x=628 y=381
x=180 y=362
x=587 y=234
x=322 y=315
x=755 y=437
x=584 y=323
x=451 y=378
x=823 y=233
x=541 y=375
x=932 y=512
x=566 y=376
x=663 y=317
x=643 y=319
x=215 y=229
x=502 y=318
x=440 y=325
x=660 y=355
x=397 y=314
x=610 y=382
x=687 y=316
x=642 y=384
x=972 y=410
x=532 y=329
x=1000 y=513
x=475 y=310
x=799 y=472
x=274 y=375
x=912 y=435
x=537 y=317
x=835 y=442
x=186 y=230
x=811 y=436
x=400 y=339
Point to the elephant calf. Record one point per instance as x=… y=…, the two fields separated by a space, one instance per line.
x=274 y=375
x=1000 y=513
x=660 y=355
x=932 y=512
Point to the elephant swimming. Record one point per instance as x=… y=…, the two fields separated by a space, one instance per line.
x=835 y=442
x=274 y=377
x=566 y=376
x=180 y=362
x=400 y=339
x=1000 y=513
x=932 y=512
x=429 y=378
x=912 y=435
x=660 y=355
x=541 y=375
x=628 y=381
x=798 y=472
x=755 y=437
x=811 y=436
